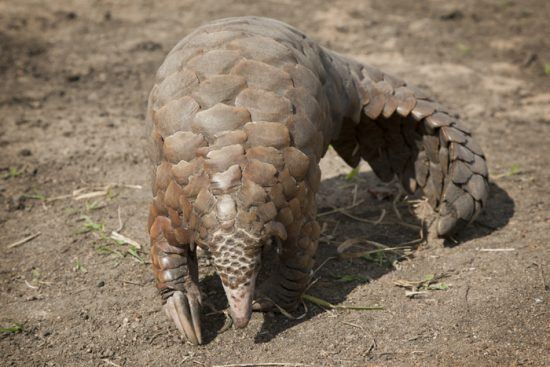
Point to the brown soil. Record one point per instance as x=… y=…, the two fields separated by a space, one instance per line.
x=74 y=81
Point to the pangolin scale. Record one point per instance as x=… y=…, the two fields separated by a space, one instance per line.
x=241 y=113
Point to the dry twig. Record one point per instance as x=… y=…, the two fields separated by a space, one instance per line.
x=338 y=210
x=359 y=219
x=92 y=194
x=350 y=324
x=96 y=191
x=365 y=253
x=322 y=303
x=24 y=240
x=118 y=237
x=109 y=362
x=120 y=222
x=395 y=200
x=134 y=283
x=506 y=249
x=30 y=285
x=344 y=246
x=322 y=264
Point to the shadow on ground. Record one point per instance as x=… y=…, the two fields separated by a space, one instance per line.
x=339 y=277
x=500 y=209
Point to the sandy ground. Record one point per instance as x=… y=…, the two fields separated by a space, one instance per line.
x=74 y=80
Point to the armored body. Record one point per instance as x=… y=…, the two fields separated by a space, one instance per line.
x=241 y=113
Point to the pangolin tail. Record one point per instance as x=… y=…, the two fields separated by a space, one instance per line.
x=404 y=133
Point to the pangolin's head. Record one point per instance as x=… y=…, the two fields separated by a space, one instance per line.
x=237 y=258
x=236 y=244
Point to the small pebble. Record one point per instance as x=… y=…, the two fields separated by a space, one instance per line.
x=107 y=353
x=25 y=152
x=73 y=78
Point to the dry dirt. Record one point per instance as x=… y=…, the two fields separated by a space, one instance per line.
x=74 y=80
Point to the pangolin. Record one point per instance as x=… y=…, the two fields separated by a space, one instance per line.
x=241 y=113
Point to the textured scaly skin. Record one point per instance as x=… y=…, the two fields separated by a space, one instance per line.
x=241 y=113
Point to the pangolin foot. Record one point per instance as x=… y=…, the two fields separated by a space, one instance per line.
x=184 y=310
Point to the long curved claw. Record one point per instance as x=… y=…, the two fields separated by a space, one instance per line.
x=262 y=304
x=184 y=310
x=195 y=307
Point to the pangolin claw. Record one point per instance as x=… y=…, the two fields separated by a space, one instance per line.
x=262 y=305
x=184 y=309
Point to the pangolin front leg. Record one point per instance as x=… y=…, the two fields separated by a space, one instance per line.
x=176 y=274
x=296 y=254
x=296 y=262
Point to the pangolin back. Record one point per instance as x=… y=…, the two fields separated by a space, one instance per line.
x=241 y=113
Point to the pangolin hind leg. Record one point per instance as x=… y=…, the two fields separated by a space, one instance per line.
x=176 y=273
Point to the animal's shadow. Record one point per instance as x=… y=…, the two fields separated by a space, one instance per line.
x=339 y=277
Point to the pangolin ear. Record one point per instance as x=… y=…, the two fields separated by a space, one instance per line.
x=276 y=229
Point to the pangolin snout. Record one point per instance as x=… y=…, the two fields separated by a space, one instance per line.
x=240 y=303
x=241 y=322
